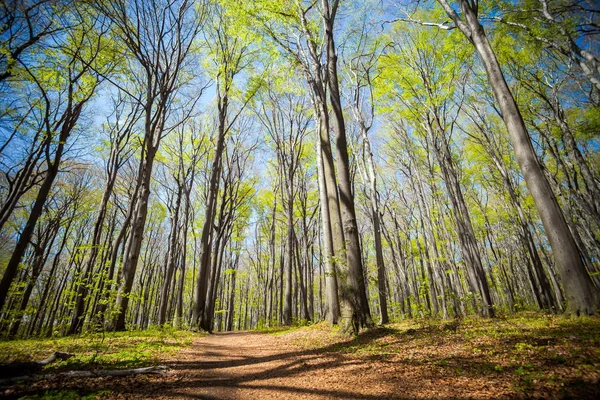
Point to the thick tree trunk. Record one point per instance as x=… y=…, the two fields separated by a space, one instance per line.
x=331 y=284
x=216 y=276
x=328 y=187
x=354 y=305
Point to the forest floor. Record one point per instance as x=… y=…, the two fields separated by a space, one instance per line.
x=523 y=357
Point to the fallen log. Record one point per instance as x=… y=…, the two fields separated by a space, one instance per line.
x=159 y=369
x=16 y=369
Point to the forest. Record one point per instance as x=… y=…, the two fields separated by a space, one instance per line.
x=213 y=166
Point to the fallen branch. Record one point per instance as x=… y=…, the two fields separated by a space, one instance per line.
x=159 y=369
x=27 y=368
x=57 y=355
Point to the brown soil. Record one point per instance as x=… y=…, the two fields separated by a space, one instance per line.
x=249 y=365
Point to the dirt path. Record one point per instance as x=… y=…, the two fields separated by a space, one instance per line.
x=249 y=365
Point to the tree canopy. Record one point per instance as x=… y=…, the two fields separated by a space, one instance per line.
x=223 y=165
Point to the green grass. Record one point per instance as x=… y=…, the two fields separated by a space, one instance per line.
x=99 y=351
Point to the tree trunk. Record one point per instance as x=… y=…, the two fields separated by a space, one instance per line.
x=198 y=316
x=172 y=255
x=287 y=305
x=134 y=244
x=354 y=306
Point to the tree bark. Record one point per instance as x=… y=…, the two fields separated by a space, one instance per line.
x=354 y=305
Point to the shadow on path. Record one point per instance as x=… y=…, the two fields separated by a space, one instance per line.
x=249 y=365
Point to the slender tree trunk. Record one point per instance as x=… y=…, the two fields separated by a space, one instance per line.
x=198 y=317
x=134 y=243
x=171 y=258
x=287 y=305
x=85 y=280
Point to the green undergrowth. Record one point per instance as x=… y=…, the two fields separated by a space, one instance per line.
x=535 y=355
x=111 y=350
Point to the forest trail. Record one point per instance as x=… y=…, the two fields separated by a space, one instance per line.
x=519 y=358
x=251 y=365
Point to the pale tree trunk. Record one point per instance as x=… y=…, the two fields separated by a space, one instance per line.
x=328 y=207
x=328 y=187
x=370 y=179
x=272 y=264
x=183 y=259
x=354 y=305
x=303 y=301
x=464 y=226
x=230 y=306
x=287 y=304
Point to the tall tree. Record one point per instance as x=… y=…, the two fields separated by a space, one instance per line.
x=354 y=304
x=119 y=134
x=63 y=104
x=158 y=36
x=582 y=296
x=230 y=53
